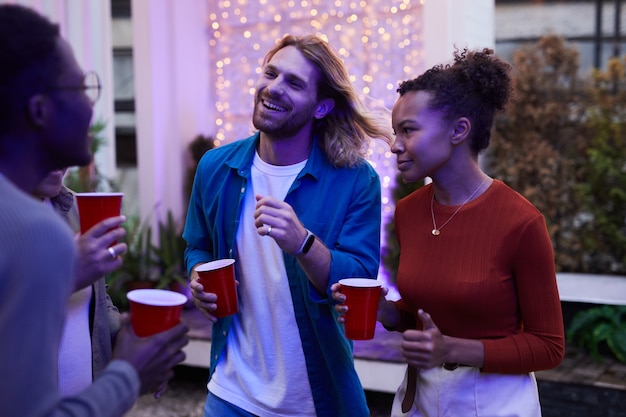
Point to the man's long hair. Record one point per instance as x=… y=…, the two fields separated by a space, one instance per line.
x=346 y=132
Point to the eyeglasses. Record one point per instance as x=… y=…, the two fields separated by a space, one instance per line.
x=91 y=86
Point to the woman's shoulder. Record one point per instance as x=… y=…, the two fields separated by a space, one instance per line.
x=510 y=200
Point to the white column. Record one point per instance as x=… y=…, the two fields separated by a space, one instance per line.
x=457 y=23
x=86 y=25
x=461 y=23
x=172 y=105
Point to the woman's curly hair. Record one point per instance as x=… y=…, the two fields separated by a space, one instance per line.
x=477 y=85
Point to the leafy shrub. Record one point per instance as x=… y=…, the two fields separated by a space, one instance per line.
x=602 y=179
x=561 y=144
x=159 y=265
x=598 y=328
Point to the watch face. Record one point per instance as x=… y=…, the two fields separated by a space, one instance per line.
x=308 y=244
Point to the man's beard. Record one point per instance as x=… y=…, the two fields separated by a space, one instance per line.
x=283 y=128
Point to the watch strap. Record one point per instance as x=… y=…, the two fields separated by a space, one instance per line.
x=306 y=244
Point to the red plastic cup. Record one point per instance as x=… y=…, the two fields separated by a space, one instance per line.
x=362 y=296
x=218 y=277
x=95 y=207
x=154 y=311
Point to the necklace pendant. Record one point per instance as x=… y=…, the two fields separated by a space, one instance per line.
x=436 y=232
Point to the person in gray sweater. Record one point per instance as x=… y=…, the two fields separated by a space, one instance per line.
x=45 y=112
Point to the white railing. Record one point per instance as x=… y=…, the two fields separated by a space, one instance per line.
x=592 y=288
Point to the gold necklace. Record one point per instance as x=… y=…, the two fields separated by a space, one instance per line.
x=437 y=230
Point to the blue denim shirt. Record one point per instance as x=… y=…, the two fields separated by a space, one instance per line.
x=342 y=207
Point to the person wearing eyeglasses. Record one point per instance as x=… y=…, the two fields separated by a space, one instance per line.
x=90 y=86
x=45 y=113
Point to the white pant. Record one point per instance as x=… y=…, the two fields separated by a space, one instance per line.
x=467 y=392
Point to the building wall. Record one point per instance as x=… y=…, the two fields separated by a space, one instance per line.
x=525 y=22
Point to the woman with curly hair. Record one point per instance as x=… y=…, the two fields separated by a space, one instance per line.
x=479 y=308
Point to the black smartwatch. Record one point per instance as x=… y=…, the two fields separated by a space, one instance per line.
x=306 y=245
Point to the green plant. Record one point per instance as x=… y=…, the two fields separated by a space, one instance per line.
x=598 y=327
x=538 y=142
x=168 y=257
x=136 y=263
x=561 y=144
x=88 y=178
x=149 y=264
x=603 y=191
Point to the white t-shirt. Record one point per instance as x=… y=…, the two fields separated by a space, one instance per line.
x=75 y=371
x=75 y=359
x=262 y=369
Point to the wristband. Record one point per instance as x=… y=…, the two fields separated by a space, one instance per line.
x=306 y=244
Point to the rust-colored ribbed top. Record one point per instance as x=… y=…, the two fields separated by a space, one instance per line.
x=489 y=275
